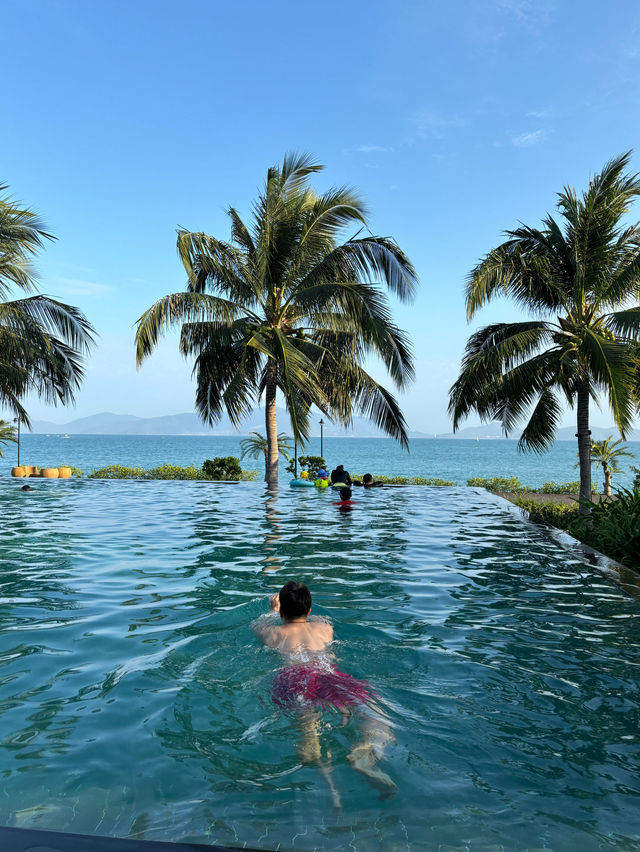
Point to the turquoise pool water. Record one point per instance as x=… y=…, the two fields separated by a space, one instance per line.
x=135 y=700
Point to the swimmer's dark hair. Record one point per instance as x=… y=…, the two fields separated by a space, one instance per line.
x=367 y=478
x=295 y=600
x=345 y=493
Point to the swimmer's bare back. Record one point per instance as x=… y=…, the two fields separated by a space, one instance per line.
x=290 y=637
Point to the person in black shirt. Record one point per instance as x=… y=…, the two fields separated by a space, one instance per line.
x=340 y=475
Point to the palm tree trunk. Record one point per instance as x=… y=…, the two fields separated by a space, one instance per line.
x=607 y=479
x=584 y=445
x=271 y=428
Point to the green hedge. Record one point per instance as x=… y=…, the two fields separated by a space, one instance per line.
x=512 y=485
x=498 y=483
x=164 y=471
x=556 y=514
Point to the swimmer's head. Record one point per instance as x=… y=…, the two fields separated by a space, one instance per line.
x=345 y=494
x=295 y=600
x=367 y=479
x=26 y=488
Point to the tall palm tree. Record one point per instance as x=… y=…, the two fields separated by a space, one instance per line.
x=42 y=341
x=285 y=306
x=580 y=279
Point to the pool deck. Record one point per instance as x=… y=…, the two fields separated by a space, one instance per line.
x=28 y=840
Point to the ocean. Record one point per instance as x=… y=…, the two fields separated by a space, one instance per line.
x=454 y=460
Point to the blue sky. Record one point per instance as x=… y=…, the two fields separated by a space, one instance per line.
x=124 y=120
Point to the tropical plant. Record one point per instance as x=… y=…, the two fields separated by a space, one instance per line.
x=42 y=341
x=8 y=434
x=606 y=454
x=577 y=279
x=613 y=527
x=285 y=306
x=258 y=445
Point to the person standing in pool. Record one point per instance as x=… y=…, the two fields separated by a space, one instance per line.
x=340 y=476
x=310 y=683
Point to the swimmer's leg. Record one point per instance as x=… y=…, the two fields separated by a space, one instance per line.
x=364 y=756
x=309 y=751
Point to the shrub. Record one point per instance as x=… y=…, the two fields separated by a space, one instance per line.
x=613 y=527
x=560 y=488
x=555 y=514
x=636 y=480
x=222 y=468
x=312 y=464
x=118 y=471
x=497 y=483
x=408 y=480
x=164 y=471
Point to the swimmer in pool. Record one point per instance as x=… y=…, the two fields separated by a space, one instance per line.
x=310 y=683
x=345 y=501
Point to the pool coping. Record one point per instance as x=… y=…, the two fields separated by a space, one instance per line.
x=626 y=578
x=28 y=839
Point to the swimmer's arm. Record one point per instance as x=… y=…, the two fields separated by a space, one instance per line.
x=263 y=625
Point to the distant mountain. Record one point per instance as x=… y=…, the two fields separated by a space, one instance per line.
x=190 y=424
x=492 y=431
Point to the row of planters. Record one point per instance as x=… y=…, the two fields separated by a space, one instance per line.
x=65 y=471
x=221 y=468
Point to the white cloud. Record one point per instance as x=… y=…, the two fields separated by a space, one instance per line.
x=77 y=287
x=529 y=140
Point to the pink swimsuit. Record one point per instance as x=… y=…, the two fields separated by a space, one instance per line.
x=306 y=683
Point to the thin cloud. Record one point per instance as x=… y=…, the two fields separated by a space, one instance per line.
x=430 y=124
x=375 y=149
x=77 y=287
x=530 y=140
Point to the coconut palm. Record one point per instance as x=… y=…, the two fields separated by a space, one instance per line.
x=285 y=306
x=258 y=445
x=580 y=278
x=606 y=454
x=8 y=434
x=42 y=341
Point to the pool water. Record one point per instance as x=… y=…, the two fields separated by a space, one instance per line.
x=135 y=699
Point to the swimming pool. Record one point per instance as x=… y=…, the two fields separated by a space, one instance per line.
x=135 y=700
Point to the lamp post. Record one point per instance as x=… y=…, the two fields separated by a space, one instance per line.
x=295 y=459
x=321 y=437
x=17 y=420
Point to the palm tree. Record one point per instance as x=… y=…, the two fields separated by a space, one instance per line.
x=285 y=306
x=8 y=433
x=578 y=279
x=607 y=453
x=42 y=341
x=259 y=446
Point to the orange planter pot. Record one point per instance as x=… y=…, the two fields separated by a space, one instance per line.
x=49 y=473
x=17 y=471
x=29 y=470
x=64 y=472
